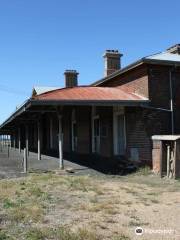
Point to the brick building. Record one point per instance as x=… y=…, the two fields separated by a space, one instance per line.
x=113 y=117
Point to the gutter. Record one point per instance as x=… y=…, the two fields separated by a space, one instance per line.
x=158 y=109
x=89 y=102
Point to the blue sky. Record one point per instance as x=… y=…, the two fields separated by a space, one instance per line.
x=39 y=39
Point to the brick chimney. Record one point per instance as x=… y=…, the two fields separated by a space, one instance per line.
x=174 y=49
x=71 y=78
x=112 y=61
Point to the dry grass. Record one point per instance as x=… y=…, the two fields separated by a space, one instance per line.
x=50 y=206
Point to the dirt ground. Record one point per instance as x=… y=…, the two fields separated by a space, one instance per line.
x=56 y=205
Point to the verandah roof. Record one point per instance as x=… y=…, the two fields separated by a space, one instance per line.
x=107 y=96
x=86 y=93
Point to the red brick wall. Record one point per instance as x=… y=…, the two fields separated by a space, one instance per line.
x=135 y=81
x=141 y=124
x=176 y=86
x=156 y=156
x=159 y=90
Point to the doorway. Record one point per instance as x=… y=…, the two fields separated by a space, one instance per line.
x=74 y=136
x=96 y=134
x=119 y=134
x=74 y=131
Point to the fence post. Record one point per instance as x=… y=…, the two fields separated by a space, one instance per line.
x=25 y=160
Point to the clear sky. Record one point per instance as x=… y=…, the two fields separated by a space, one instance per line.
x=39 y=39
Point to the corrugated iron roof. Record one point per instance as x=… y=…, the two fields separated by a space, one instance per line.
x=89 y=93
x=165 y=56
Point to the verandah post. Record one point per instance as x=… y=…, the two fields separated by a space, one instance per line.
x=61 y=162
x=1 y=143
x=25 y=160
x=27 y=140
x=39 y=140
x=14 y=140
x=19 y=139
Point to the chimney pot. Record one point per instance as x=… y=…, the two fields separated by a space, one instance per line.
x=71 y=78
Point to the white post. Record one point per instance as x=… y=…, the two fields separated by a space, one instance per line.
x=8 y=150
x=27 y=140
x=19 y=139
x=25 y=160
x=10 y=136
x=1 y=142
x=51 y=133
x=61 y=162
x=39 y=141
x=14 y=140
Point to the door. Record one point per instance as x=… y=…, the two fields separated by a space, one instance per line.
x=119 y=134
x=96 y=135
x=74 y=136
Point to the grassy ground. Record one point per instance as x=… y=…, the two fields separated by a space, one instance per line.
x=51 y=206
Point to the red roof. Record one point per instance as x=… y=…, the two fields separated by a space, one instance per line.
x=89 y=93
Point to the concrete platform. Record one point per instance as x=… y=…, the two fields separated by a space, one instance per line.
x=12 y=166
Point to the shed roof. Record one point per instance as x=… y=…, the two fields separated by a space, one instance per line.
x=166 y=137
